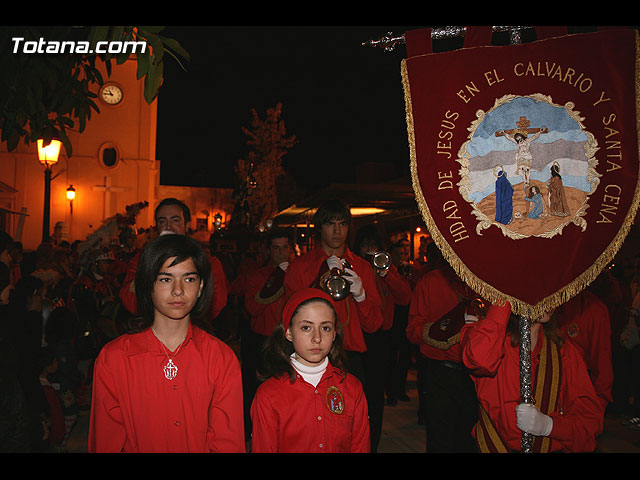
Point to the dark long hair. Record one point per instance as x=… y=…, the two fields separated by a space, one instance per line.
x=153 y=256
x=549 y=329
x=277 y=349
x=25 y=288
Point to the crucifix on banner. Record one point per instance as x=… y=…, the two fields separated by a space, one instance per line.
x=108 y=189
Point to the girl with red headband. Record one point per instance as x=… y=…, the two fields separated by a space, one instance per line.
x=308 y=402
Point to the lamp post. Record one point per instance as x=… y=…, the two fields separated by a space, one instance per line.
x=48 y=156
x=71 y=194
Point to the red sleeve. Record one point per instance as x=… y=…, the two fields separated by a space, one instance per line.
x=56 y=417
x=107 y=433
x=585 y=321
x=264 y=438
x=225 y=433
x=580 y=418
x=371 y=318
x=599 y=361
x=432 y=298
x=127 y=290
x=482 y=342
x=294 y=278
x=399 y=286
x=360 y=436
x=220 y=287
x=254 y=284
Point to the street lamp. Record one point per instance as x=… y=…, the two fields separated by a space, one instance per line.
x=48 y=156
x=71 y=194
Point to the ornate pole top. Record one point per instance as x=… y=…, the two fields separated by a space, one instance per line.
x=389 y=41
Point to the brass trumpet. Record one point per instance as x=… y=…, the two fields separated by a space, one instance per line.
x=381 y=260
x=335 y=284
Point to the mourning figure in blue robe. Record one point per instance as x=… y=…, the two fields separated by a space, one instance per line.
x=504 y=199
x=534 y=197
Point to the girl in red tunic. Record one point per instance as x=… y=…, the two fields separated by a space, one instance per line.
x=308 y=403
x=170 y=387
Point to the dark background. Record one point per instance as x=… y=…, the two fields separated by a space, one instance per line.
x=343 y=101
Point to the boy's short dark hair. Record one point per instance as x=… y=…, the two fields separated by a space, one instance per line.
x=276 y=233
x=368 y=235
x=5 y=241
x=186 y=213
x=154 y=255
x=331 y=210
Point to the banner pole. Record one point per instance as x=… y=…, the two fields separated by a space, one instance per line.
x=524 y=326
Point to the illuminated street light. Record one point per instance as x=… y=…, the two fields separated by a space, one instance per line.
x=48 y=156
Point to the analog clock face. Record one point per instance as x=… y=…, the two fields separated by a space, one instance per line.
x=111 y=94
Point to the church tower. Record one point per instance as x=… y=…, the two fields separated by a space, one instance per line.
x=113 y=165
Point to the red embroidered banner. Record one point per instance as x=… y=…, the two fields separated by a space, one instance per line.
x=524 y=159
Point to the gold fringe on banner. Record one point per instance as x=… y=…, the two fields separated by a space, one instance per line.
x=482 y=288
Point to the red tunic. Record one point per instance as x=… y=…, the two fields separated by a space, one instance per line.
x=394 y=290
x=264 y=316
x=495 y=365
x=136 y=409
x=220 y=289
x=297 y=417
x=585 y=321
x=433 y=298
x=355 y=317
x=56 y=417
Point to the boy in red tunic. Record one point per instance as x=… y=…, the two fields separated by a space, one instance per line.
x=264 y=299
x=361 y=310
x=173 y=216
x=171 y=387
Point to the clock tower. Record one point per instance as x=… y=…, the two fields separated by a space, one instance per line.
x=113 y=165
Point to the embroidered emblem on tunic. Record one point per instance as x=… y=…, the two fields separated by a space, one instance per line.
x=573 y=330
x=335 y=400
x=445 y=324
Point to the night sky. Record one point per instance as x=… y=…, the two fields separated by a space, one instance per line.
x=343 y=101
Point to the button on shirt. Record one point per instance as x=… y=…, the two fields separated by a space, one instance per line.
x=136 y=409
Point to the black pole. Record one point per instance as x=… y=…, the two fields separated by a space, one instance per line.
x=47 y=199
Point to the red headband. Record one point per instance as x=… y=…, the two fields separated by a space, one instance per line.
x=297 y=298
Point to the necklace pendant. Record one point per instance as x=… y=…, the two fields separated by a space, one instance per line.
x=170 y=370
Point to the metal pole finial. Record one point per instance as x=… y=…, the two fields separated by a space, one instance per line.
x=389 y=41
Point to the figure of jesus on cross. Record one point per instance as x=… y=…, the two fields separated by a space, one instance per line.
x=520 y=136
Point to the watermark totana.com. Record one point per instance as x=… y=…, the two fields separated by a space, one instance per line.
x=68 y=46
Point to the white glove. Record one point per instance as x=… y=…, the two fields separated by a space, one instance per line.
x=334 y=262
x=383 y=272
x=468 y=318
x=533 y=421
x=356 y=286
x=284 y=266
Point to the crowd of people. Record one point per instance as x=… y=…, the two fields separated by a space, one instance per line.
x=176 y=346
